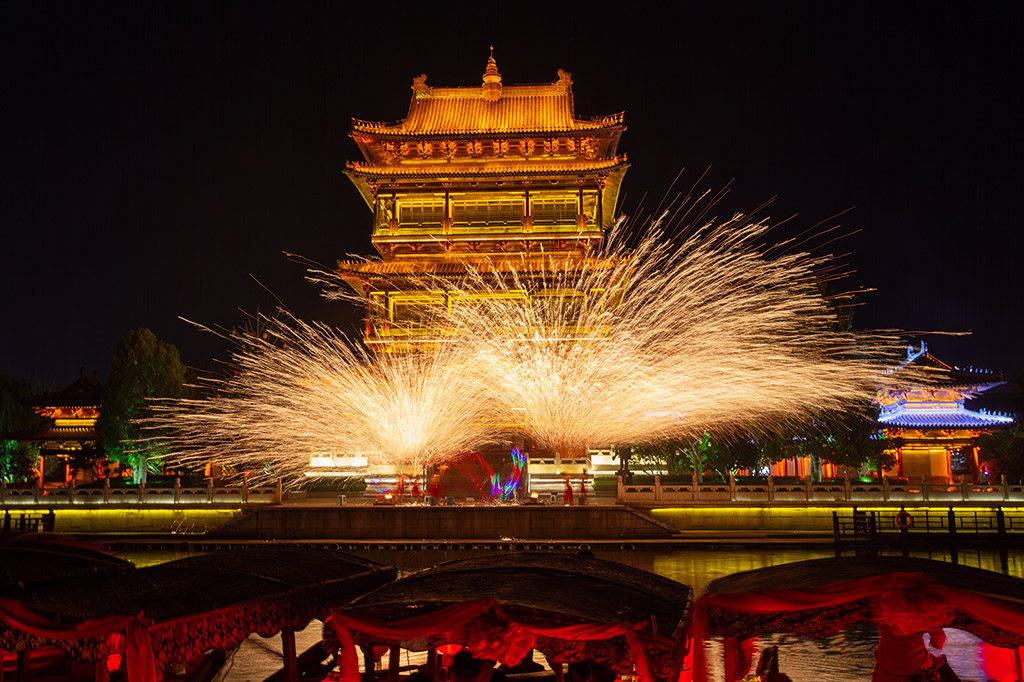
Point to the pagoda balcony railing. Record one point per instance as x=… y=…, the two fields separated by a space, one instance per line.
x=493 y=227
x=142 y=495
x=839 y=492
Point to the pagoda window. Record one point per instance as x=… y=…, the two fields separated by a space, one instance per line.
x=504 y=306
x=487 y=214
x=550 y=211
x=420 y=216
x=560 y=212
x=416 y=314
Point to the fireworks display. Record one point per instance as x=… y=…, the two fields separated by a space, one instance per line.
x=645 y=342
x=654 y=341
x=301 y=390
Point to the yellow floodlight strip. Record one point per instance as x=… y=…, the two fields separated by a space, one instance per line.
x=930 y=507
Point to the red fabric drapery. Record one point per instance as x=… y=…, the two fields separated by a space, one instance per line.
x=140 y=662
x=975 y=606
x=455 y=616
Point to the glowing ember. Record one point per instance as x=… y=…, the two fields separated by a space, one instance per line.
x=644 y=343
x=652 y=341
x=306 y=390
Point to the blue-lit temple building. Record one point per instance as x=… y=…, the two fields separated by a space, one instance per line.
x=932 y=431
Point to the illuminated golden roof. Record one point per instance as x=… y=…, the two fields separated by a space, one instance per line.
x=489 y=109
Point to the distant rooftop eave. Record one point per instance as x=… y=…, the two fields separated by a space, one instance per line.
x=943 y=418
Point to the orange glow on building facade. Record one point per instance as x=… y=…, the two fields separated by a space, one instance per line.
x=475 y=173
x=470 y=175
x=72 y=429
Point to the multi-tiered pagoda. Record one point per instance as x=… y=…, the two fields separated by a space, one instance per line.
x=471 y=177
x=933 y=433
x=474 y=173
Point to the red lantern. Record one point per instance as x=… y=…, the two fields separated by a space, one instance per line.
x=113 y=662
x=449 y=649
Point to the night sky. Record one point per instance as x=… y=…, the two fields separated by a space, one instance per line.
x=161 y=156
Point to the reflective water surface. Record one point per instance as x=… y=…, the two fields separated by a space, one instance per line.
x=846 y=657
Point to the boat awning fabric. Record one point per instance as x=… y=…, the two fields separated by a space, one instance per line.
x=182 y=608
x=570 y=607
x=821 y=597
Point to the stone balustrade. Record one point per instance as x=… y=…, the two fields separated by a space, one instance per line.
x=807 y=492
x=138 y=495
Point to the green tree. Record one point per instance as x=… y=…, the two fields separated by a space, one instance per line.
x=849 y=440
x=18 y=461
x=1005 y=448
x=144 y=368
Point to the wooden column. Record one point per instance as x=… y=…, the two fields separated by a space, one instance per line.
x=102 y=674
x=432 y=652
x=581 y=220
x=394 y=663
x=291 y=666
x=527 y=215
x=368 y=663
x=23 y=667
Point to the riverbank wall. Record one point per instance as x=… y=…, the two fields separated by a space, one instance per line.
x=387 y=522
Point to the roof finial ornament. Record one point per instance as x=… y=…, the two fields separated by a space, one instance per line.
x=492 y=79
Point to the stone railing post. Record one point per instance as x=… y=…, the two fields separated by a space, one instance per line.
x=37 y=492
x=808 y=489
x=924 y=486
x=1006 y=487
x=209 y=489
x=245 y=487
x=657 y=487
x=771 y=488
x=177 y=489
x=965 y=490
x=694 y=487
x=142 y=492
x=885 y=488
x=106 y=489
x=847 y=487
x=279 y=490
x=71 y=491
x=732 y=487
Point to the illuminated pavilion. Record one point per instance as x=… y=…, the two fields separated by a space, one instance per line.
x=473 y=174
x=933 y=433
x=71 y=429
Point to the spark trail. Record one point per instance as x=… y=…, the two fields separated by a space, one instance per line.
x=304 y=389
x=658 y=341
x=645 y=342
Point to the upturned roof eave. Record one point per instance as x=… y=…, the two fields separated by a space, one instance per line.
x=449 y=170
x=396 y=131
